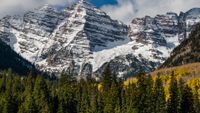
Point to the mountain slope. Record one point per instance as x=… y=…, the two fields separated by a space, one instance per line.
x=86 y=32
x=11 y=60
x=28 y=33
x=187 y=52
x=188 y=74
x=159 y=35
x=81 y=40
x=72 y=40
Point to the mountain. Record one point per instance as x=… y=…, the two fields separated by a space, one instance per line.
x=156 y=37
x=82 y=40
x=11 y=60
x=70 y=40
x=187 y=52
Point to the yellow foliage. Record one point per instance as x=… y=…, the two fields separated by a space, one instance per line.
x=167 y=94
x=195 y=85
x=130 y=81
x=189 y=73
x=100 y=87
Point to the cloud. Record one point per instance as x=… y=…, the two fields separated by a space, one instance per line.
x=16 y=6
x=126 y=10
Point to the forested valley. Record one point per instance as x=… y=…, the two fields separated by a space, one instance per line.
x=34 y=94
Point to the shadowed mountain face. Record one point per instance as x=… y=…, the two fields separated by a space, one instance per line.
x=187 y=52
x=11 y=60
x=81 y=40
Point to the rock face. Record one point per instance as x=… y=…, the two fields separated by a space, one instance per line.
x=29 y=33
x=66 y=40
x=187 y=52
x=86 y=31
x=158 y=36
x=82 y=39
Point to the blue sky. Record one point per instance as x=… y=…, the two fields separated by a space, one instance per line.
x=100 y=3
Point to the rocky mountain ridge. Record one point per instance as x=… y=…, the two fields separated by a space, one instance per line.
x=187 y=52
x=158 y=36
x=81 y=40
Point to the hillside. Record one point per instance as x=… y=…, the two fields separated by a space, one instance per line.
x=187 y=52
x=187 y=72
x=11 y=60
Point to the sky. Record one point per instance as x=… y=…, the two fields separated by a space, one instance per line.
x=100 y=3
x=123 y=10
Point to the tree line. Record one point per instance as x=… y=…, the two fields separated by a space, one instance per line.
x=34 y=94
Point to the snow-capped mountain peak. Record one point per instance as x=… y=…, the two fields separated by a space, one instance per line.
x=159 y=35
x=82 y=39
x=46 y=7
x=85 y=32
x=67 y=40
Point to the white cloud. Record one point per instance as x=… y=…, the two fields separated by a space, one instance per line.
x=126 y=10
x=15 y=6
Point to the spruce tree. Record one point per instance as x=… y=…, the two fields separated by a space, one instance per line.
x=67 y=95
x=94 y=100
x=107 y=79
x=111 y=101
x=100 y=103
x=159 y=97
x=141 y=93
x=42 y=96
x=144 y=94
x=29 y=106
x=129 y=99
x=196 y=101
x=174 y=100
x=83 y=99
x=10 y=103
x=187 y=101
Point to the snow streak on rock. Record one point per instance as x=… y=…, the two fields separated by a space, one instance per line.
x=82 y=39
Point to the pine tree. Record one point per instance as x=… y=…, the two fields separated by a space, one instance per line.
x=174 y=100
x=29 y=106
x=129 y=97
x=159 y=97
x=10 y=103
x=187 y=102
x=196 y=101
x=2 y=90
x=18 y=89
x=42 y=96
x=55 y=101
x=107 y=79
x=144 y=94
x=83 y=97
x=149 y=94
x=94 y=100
x=67 y=95
x=100 y=103
x=141 y=90
x=111 y=101
x=3 y=83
